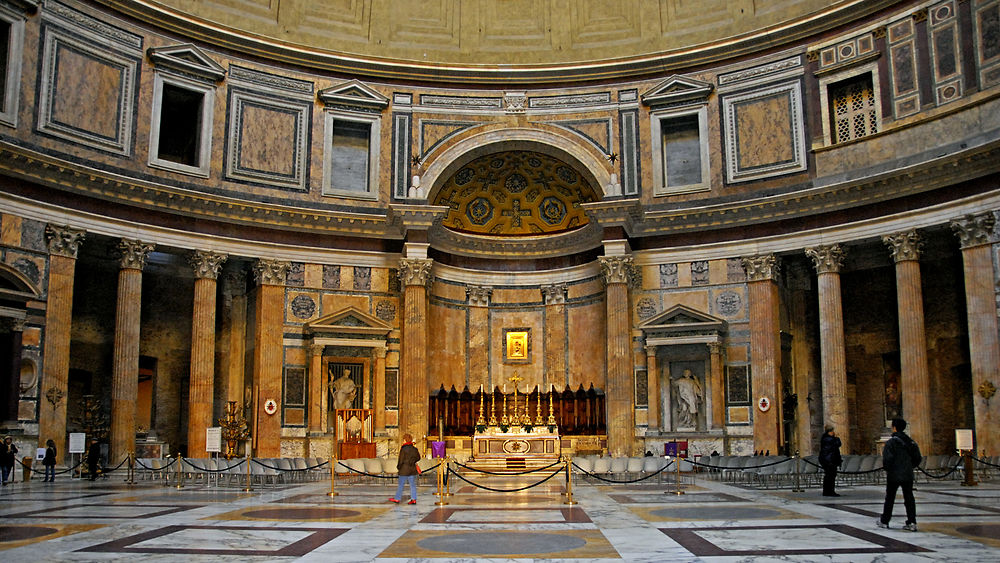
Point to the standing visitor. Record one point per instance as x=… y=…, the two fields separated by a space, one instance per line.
x=49 y=461
x=899 y=456
x=408 y=470
x=93 y=458
x=8 y=453
x=830 y=460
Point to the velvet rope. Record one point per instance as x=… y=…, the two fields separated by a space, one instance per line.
x=491 y=489
x=596 y=476
x=550 y=466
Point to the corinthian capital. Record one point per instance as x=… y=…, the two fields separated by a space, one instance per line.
x=760 y=268
x=619 y=269
x=554 y=294
x=206 y=264
x=826 y=258
x=134 y=253
x=270 y=272
x=63 y=241
x=974 y=230
x=415 y=271
x=479 y=296
x=904 y=246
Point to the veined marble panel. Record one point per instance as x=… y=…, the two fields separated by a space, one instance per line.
x=764 y=132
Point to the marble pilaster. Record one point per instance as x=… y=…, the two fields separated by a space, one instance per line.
x=63 y=244
x=652 y=390
x=201 y=387
x=975 y=234
x=125 y=362
x=619 y=273
x=828 y=260
x=717 y=418
x=415 y=273
x=554 y=297
x=317 y=389
x=765 y=347
x=915 y=382
x=235 y=336
x=379 y=389
x=268 y=363
x=478 y=298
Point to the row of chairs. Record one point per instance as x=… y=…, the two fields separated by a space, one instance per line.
x=210 y=471
x=627 y=468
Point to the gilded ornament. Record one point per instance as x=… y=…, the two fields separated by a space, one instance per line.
x=987 y=390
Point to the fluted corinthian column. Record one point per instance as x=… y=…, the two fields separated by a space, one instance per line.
x=125 y=363
x=379 y=388
x=619 y=273
x=201 y=388
x=833 y=362
x=716 y=363
x=414 y=273
x=317 y=390
x=63 y=243
x=653 y=399
x=234 y=336
x=915 y=379
x=975 y=233
x=554 y=297
x=765 y=348
x=267 y=366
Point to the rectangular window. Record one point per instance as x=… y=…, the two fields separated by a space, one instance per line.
x=180 y=138
x=4 y=61
x=349 y=154
x=680 y=149
x=853 y=111
x=11 y=49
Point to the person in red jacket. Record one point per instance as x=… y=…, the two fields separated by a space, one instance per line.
x=408 y=470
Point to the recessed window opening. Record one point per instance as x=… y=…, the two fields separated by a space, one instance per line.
x=180 y=125
x=4 y=62
x=681 y=150
x=349 y=154
x=853 y=113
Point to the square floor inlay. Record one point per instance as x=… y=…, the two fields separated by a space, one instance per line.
x=301 y=513
x=695 y=512
x=785 y=540
x=104 y=511
x=501 y=544
x=226 y=540
x=506 y=516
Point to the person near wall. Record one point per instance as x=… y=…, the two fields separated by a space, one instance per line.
x=8 y=453
x=49 y=461
x=93 y=458
x=408 y=470
x=830 y=460
x=899 y=457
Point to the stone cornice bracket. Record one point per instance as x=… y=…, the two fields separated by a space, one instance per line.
x=625 y=213
x=761 y=268
x=415 y=271
x=905 y=246
x=206 y=264
x=554 y=294
x=268 y=271
x=64 y=241
x=415 y=217
x=133 y=253
x=974 y=230
x=620 y=269
x=827 y=258
x=478 y=295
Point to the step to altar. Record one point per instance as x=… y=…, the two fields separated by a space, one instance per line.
x=509 y=464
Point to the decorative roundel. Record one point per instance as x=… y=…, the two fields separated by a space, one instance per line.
x=464 y=176
x=566 y=174
x=303 y=307
x=515 y=183
x=270 y=406
x=552 y=210
x=764 y=404
x=480 y=211
x=515 y=446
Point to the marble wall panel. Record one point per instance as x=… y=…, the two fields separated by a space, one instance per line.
x=10 y=229
x=449 y=291
x=333 y=302
x=696 y=299
x=517 y=296
x=533 y=370
x=901 y=37
x=945 y=51
x=432 y=132
x=268 y=139
x=597 y=132
x=447 y=340
x=764 y=132
x=986 y=22
x=587 y=341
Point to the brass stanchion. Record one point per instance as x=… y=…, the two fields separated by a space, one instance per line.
x=180 y=472
x=333 y=465
x=798 y=485
x=569 y=482
x=447 y=481
x=249 y=486
x=677 y=478
x=440 y=484
x=130 y=469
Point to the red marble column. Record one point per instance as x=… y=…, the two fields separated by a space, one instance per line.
x=653 y=400
x=717 y=417
x=915 y=381
x=201 y=387
x=619 y=272
x=125 y=362
x=235 y=338
x=63 y=243
x=975 y=233
x=379 y=388
x=415 y=274
x=317 y=390
x=833 y=361
x=765 y=348
x=268 y=362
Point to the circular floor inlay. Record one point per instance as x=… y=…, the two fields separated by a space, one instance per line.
x=19 y=533
x=501 y=543
x=717 y=512
x=991 y=531
x=300 y=513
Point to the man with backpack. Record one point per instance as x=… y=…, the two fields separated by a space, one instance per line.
x=899 y=456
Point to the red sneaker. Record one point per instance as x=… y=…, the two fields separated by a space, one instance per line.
x=394 y=500
x=412 y=501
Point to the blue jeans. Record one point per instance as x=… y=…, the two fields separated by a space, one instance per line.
x=50 y=472
x=7 y=469
x=413 y=486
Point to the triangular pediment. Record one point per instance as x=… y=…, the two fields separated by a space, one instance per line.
x=681 y=318
x=349 y=320
x=354 y=93
x=187 y=59
x=677 y=89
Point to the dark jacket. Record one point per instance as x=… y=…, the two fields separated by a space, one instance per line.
x=408 y=458
x=899 y=456
x=7 y=454
x=829 y=451
x=50 y=456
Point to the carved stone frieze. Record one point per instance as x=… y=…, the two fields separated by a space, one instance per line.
x=133 y=253
x=974 y=230
x=206 y=263
x=761 y=268
x=64 y=241
x=554 y=294
x=479 y=296
x=269 y=271
x=620 y=269
x=826 y=258
x=415 y=271
x=904 y=246
x=514 y=102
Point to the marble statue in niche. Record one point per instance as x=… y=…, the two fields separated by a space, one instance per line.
x=343 y=391
x=688 y=395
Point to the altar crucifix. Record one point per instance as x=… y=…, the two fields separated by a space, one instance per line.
x=515 y=379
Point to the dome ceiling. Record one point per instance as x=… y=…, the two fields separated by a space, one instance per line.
x=515 y=193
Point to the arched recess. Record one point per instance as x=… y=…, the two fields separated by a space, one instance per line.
x=16 y=287
x=560 y=144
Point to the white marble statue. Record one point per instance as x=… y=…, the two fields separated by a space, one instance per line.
x=688 y=392
x=343 y=391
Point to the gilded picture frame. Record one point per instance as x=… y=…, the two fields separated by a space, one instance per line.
x=517 y=345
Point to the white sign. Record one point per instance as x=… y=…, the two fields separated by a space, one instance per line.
x=213 y=439
x=77 y=442
x=963 y=439
x=39 y=454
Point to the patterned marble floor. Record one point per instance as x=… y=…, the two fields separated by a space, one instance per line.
x=108 y=520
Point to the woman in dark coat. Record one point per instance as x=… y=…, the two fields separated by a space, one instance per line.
x=830 y=460
x=408 y=470
x=93 y=458
x=49 y=461
x=8 y=453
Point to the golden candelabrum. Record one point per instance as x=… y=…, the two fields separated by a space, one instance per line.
x=526 y=417
x=538 y=408
x=234 y=428
x=480 y=421
x=493 y=408
x=552 y=418
x=504 y=421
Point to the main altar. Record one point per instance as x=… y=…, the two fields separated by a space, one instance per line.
x=515 y=435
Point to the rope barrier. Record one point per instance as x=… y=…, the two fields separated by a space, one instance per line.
x=115 y=468
x=596 y=476
x=491 y=489
x=352 y=470
x=262 y=464
x=207 y=470
x=173 y=461
x=550 y=466
x=840 y=472
x=62 y=472
x=932 y=476
x=984 y=462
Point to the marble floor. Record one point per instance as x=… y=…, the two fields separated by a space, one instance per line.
x=108 y=520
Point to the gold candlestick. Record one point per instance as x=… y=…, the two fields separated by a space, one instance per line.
x=538 y=408
x=480 y=421
x=503 y=420
x=493 y=407
x=552 y=418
